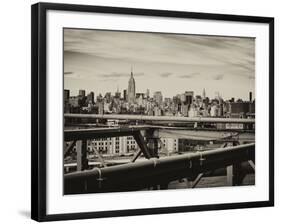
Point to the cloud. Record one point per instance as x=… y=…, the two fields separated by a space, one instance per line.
x=114 y=75
x=245 y=65
x=251 y=77
x=72 y=75
x=188 y=76
x=119 y=75
x=139 y=74
x=108 y=80
x=218 y=77
x=160 y=48
x=165 y=74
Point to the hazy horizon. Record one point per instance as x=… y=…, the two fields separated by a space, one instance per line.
x=101 y=61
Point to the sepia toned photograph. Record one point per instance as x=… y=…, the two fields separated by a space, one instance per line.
x=157 y=111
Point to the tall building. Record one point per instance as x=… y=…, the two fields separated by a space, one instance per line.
x=91 y=97
x=117 y=93
x=158 y=97
x=131 y=89
x=140 y=99
x=204 y=94
x=147 y=94
x=125 y=94
x=187 y=97
x=82 y=93
x=107 y=97
x=66 y=95
x=250 y=96
x=99 y=98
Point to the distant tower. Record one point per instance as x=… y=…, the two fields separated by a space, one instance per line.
x=147 y=94
x=117 y=94
x=125 y=96
x=131 y=88
x=82 y=93
x=204 y=94
x=250 y=96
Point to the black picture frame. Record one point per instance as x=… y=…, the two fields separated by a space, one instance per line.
x=38 y=108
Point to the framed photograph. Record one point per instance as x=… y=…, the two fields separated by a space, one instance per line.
x=140 y=111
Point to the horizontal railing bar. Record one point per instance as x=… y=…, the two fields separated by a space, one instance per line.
x=140 y=174
x=162 y=118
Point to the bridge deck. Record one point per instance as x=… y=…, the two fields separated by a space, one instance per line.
x=162 y=118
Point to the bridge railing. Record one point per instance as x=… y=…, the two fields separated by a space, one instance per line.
x=140 y=174
x=160 y=171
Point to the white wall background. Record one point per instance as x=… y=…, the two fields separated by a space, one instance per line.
x=15 y=110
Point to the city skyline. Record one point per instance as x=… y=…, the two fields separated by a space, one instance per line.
x=101 y=61
x=76 y=93
x=151 y=94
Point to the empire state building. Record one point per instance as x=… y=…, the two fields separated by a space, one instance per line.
x=131 y=89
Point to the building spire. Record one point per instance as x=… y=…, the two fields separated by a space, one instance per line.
x=131 y=88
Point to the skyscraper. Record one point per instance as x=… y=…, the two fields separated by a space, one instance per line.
x=91 y=97
x=250 y=96
x=66 y=94
x=147 y=94
x=158 y=97
x=125 y=94
x=131 y=89
x=117 y=93
x=82 y=93
x=187 y=97
x=204 y=94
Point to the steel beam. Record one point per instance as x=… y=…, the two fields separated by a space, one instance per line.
x=196 y=181
x=98 y=155
x=152 y=137
x=81 y=150
x=229 y=175
x=234 y=174
x=142 y=144
x=136 y=155
x=68 y=148
x=92 y=133
x=252 y=164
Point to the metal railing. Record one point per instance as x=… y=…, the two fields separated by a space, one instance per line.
x=154 y=171
x=143 y=174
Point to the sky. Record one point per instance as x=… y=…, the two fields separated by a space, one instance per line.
x=101 y=61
